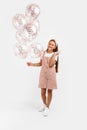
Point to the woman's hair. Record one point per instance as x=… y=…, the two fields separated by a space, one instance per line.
x=56 y=49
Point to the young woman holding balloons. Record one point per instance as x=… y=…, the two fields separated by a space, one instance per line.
x=47 y=79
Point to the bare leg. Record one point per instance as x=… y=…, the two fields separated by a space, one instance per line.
x=49 y=98
x=43 y=95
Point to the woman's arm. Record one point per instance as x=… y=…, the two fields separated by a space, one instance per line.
x=52 y=59
x=34 y=64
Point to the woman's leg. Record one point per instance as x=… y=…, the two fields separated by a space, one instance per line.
x=49 y=97
x=43 y=95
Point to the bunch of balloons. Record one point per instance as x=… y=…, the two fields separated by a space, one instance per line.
x=27 y=26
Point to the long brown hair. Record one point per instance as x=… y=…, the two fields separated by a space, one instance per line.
x=56 y=49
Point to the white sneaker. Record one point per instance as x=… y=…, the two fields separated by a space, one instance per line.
x=42 y=108
x=45 y=113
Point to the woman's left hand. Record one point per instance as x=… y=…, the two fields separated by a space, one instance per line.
x=57 y=53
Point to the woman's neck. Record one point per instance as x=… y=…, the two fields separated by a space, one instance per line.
x=49 y=51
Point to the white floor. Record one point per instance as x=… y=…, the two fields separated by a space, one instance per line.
x=24 y=116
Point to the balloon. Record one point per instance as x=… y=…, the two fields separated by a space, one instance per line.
x=31 y=29
x=19 y=20
x=23 y=37
x=19 y=36
x=36 y=50
x=32 y=11
x=21 y=50
x=27 y=34
x=37 y=24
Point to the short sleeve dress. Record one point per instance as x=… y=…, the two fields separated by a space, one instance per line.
x=47 y=78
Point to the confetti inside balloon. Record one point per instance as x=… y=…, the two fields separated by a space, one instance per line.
x=36 y=50
x=19 y=21
x=21 y=50
x=32 y=11
x=31 y=29
x=29 y=33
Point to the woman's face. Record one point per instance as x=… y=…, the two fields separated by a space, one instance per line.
x=51 y=46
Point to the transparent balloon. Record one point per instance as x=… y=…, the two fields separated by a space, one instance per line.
x=19 y=21
x=32 y=11
x=36 y=50
x=21 y=50
x=29 y=33
x=37 y=24
x=31 y=29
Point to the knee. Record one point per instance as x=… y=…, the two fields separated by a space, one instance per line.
x=43 y=92
x=50 y=91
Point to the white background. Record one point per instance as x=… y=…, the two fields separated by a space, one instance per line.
x=66 y=21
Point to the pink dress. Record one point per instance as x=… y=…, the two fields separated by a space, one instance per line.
x=47 y=77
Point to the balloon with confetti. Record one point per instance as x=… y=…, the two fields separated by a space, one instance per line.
x=19 y=21
x=21 y=50
x=36 y=50
x=29 y=33
x=33 y=11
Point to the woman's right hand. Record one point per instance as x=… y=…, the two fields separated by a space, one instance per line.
x=29 y=64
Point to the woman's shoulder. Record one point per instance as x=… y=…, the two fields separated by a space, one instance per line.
x=42 y=54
